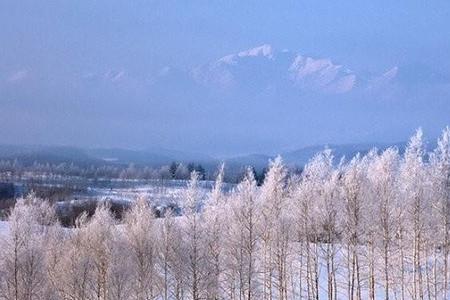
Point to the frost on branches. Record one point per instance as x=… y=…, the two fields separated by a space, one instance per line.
x=374 y=227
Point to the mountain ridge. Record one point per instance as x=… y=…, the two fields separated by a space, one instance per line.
x=267 y=66
x=64 y=154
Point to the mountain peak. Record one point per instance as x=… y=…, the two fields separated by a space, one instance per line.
x=269 y=67
x=321 y=74
x=265 y=50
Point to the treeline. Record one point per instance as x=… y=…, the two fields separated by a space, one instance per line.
x=374 y=227
x=176 y=170
x=11 y=169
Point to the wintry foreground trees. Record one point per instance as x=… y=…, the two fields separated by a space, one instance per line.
x=374 y=227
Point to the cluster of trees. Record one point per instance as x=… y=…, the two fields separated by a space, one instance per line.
x=375 y=227
x=10 y=169
x=180 y=171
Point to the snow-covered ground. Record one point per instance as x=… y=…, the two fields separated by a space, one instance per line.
x=157 y=193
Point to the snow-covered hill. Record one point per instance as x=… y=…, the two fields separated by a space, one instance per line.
x=264 y=67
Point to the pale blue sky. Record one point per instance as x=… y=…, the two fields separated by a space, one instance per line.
x=93 y=73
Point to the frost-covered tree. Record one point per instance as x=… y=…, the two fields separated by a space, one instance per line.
x=276 y=230
x=181 y=172
x=193 y=238
x=374 y=227
x=140 y=237
x=328 y=203
x=22 y=254
x=243 y=237
x=354 y=195
x=70 y=265
x=384 y=213
x=214 y=220
x=413 y=184
x=120 y=278
x=168 y=241
x=307 y=220
x=99 y=234
x=440 y=185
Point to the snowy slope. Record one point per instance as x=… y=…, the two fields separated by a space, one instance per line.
x=264 y=67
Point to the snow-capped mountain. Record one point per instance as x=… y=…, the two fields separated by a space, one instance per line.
x=266 y=67
x=321 y=74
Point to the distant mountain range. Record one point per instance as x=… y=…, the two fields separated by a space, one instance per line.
x=247 y=101
x=158 y=157
x=99 y=156
x=265 y=68
x=300 y=157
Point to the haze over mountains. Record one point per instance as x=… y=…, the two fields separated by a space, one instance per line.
x=257 y=100
x=281 y=99
x=157 y=157
x=180 y=75
x=264 y=68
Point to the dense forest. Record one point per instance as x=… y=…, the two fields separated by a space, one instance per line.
x=374 y=227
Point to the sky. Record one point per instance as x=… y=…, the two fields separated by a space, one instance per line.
x=141 y=74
